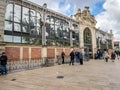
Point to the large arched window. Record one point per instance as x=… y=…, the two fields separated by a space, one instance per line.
x=88 y=42
x=87 y=36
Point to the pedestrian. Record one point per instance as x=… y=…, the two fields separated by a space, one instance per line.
x=3 y=60
x=77 y=59
x=117 y=54
x=63 y=57
x=107 y=56
x=98 y=54
x=72 y=56
x=80 y=57
x=113 y=56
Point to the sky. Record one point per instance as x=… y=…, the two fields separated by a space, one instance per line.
x=106 y=12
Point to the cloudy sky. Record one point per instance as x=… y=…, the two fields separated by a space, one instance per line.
x=106 y=12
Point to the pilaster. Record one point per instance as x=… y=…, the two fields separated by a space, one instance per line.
x=2 y=15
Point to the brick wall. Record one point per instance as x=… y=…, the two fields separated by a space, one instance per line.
x=13 y=53
x=25 y=53
x=51 y=52
x=35 y=53
x=59 y=51
x=67 y=52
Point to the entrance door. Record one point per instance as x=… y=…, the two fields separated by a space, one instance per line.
x=88 y=42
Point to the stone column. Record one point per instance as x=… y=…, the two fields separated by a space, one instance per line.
x=21 y=54
x=29 y=53
x=44 y=25
x=81 y=38
x=112 y=38
x=94 y=46
x=71 y=41
x=71 y=30
x=99 y=43
x=2 y=16
x=44 y=52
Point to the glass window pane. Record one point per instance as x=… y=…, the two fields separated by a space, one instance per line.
x=16 y=39
x=57 y=22
x=8 y=26
x=39 y=31
x=7 y=38
x=25 y=16
x=17 y=13
x=25 y=28
x=65 y=31
x=17 y=27
x=52 y=32
x=9 y=12
x=33 y=30
x=25 y=39
x=60 y=32
x=48 y=28
x=52 y=20
x=48 y=20
x=39 y=19
x=33 y=40
x=32 y=18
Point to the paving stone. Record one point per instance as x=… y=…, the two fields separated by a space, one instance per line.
x=93 y=75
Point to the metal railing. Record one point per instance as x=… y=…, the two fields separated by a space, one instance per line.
x=28 y=64
x=19 y=65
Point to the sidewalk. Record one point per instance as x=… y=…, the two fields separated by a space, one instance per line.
x=93 y=75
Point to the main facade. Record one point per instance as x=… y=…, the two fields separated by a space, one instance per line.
x=29 y=31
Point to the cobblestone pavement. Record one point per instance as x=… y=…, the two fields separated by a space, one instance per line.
x=93 y=75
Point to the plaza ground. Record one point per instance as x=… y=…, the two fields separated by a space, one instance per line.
x=93 y=75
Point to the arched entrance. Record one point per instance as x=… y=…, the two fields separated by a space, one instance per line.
x=88 y=43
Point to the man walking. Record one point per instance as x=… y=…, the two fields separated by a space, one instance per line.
x=3 y=60
x=72 y=56
x=80 y=57
x=63 y=57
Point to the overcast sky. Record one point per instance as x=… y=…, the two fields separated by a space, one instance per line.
x=106 y=12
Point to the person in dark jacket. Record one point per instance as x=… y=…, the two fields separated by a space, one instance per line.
x=3 y=63
x=63 y=57
x=72 y=56
x=80 y=57
x=113 y=56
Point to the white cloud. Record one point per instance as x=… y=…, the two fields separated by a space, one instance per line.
x=54 y=4
x=110 y=19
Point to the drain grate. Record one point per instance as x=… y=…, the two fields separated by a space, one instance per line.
x=13 y=79
x=60 y=77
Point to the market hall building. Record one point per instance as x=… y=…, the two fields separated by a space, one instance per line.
x=29 y=31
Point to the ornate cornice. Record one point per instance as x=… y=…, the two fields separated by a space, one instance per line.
x=85 y=18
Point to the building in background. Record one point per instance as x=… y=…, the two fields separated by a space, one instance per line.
x=117 y=45
x=104 y=40
x=30 y=31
